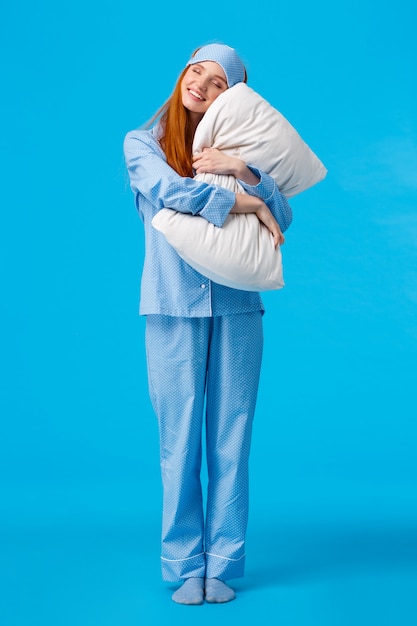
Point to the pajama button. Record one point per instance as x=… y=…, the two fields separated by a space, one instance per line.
x=203 y=286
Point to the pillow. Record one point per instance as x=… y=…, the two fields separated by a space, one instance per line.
x=241 y=254
x=241 y=123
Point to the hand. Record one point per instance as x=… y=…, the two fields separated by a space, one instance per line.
x=244 y=203
x=265 y=216
x=214 y=161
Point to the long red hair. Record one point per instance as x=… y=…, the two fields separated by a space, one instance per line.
x=177 y=136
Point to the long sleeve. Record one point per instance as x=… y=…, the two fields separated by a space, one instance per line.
x=153 y=179
x=169 y=286
x=268 y=191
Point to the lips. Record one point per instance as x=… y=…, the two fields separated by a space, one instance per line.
x=196 y=95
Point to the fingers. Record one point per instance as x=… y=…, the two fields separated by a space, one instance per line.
x=201 y=161
x=266 y=217
x=204 y=153
x=274 y=228
x=197 y=156
x=276 y=234
x=279 y=238
x=213 y=161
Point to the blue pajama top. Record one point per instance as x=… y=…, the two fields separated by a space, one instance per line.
x=170 y=286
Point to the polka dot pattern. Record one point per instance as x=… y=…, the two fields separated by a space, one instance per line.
x=226 y=57
x=169 y=285
x=204 y=350
x=212 y=364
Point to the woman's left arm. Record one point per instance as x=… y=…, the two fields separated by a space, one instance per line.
x=255 y=182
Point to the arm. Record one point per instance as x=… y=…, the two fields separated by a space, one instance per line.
x=254 y=181
x=251 y=204
x=268 y=190
x=151 y=177
x=273 y=211
x=215 y=161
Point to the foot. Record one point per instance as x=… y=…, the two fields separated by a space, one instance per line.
x=217 y=591
x=191 y=592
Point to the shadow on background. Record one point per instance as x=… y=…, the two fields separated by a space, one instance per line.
x=299 y=554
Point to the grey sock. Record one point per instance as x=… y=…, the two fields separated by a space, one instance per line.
x=217 y=591
x=191 y=592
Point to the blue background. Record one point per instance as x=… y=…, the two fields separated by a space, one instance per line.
x=333 y=523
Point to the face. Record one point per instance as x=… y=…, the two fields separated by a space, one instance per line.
x=202 y=84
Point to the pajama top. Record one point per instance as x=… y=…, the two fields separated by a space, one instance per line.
x=169 y=285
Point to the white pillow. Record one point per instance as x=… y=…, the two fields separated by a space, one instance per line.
x=241 y=123
x=241 y=254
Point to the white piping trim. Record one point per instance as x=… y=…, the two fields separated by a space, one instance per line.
x=178 y=560
x=225 y=557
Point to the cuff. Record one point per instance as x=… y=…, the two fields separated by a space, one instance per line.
x=265 y=188
x=219 y=206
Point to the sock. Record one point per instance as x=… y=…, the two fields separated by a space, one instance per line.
x=217 y=591
x=191 y=592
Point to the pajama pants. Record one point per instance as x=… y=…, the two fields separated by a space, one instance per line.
x=197 y=365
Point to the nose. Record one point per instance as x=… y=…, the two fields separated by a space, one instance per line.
x=202 y=83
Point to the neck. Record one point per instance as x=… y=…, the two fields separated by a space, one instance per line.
x=195 y=119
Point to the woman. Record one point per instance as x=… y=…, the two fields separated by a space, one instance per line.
x=203 y=340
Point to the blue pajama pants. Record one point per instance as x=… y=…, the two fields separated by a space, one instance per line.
x=210 y=363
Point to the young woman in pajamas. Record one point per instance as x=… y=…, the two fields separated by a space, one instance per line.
x=203 y=340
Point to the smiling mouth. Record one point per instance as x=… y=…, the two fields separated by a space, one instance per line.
x=196 y=95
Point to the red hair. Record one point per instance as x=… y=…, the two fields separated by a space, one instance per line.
x=177 y=135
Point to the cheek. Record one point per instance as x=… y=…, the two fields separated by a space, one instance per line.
x=215 y=93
